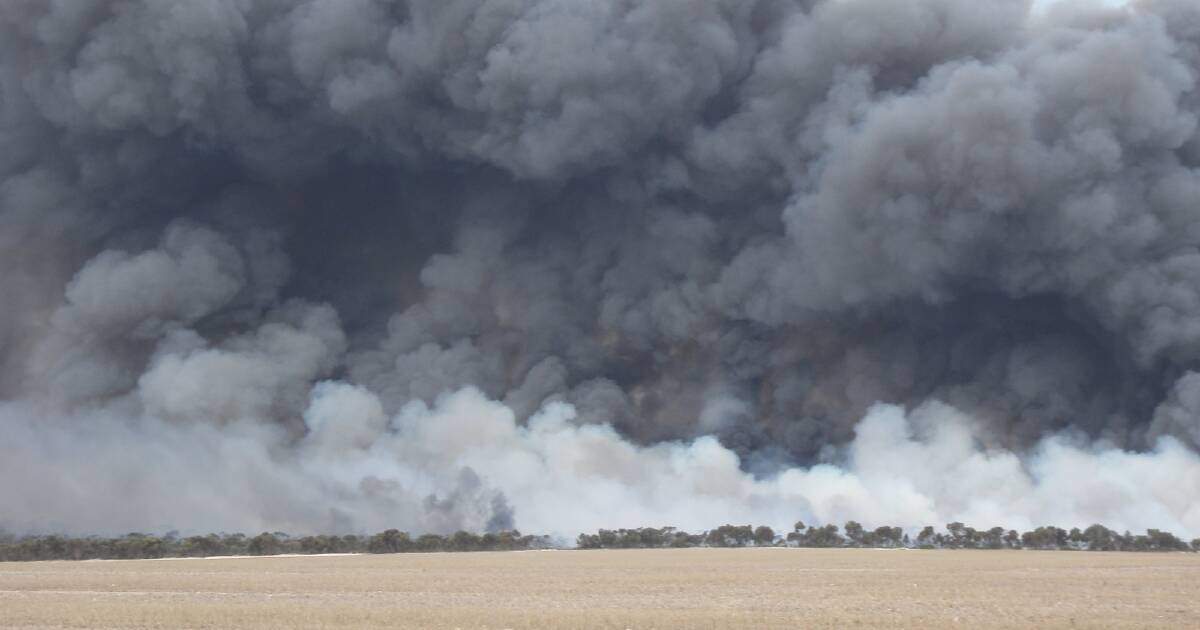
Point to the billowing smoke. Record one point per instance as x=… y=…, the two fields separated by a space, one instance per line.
x=344 y=265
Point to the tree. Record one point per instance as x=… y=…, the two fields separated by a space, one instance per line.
x=1100 y=538
x=463 y=541
x=764 y=536
x=264 y=544
x=351 y=542
x=651 y=538
x=431 y=542
x=730 y=536
x=332 y=544
x=1045 y=538
x=389 y=541
x=887 y=537
x=958 y=535
x=234 y=545
x=826 y=536
x=1164 y=541
x=796 y=536
x=927 y=538
x=587 y=541
x=854 y=531
x=509 y=539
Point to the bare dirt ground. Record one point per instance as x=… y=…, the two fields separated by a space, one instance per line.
x=688 y=588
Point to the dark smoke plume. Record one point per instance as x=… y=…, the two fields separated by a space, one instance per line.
x=344 y=265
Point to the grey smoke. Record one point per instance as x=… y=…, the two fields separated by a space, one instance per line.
x=340 y=265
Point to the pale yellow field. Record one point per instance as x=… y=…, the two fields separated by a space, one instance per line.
x=689 y=588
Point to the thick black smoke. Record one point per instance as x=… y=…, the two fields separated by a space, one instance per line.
x=353 y=264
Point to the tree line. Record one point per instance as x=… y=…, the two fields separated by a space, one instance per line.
x=138 y=546
x=955 y=536
x=852 y=534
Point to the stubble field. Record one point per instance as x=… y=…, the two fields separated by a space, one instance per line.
x=687 y=588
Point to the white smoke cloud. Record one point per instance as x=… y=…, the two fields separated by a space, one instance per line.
x=466 y=453
x=1043 y=5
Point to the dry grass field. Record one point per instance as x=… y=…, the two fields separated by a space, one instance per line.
x=688 y=588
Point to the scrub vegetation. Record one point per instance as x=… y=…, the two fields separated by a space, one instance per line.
x=853 y=535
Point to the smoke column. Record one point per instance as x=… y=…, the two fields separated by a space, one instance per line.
x=344 y=265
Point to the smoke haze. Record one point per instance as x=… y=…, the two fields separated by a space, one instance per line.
x=345 y=265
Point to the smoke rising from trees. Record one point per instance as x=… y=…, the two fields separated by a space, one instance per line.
x=348 y=265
